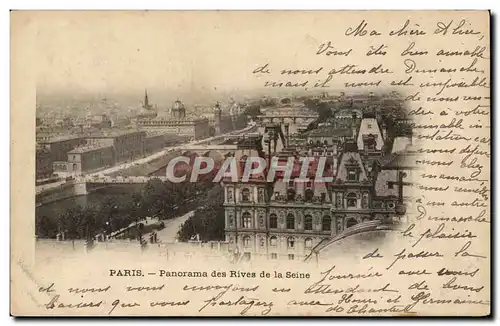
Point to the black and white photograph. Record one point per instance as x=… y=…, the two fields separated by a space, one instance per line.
x=102 y=180
x=250 y=163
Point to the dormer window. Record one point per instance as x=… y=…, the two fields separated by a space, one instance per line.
x=352 y=175
x=370 y=141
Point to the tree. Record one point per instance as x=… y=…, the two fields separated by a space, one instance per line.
x=80 y=223
x=45 y=227
x=322 y=108
x=155 y=197
x=253 y=111
x=208 y=221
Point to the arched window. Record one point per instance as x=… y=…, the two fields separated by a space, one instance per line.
x=327 y=223
x=352 y=200
x=308 y=243
x=290 y=194
x=273 y=241
x=290 y=222
x=245 y=194
x=308 y=222
x=75 y=166
x=273 y=221
x=246 y=241
x=309 y=194
x=290 y=242
x=351 y=222
x=247 y=220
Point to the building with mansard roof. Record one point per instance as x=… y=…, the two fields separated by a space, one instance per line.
x=288 y=219
x=294 y=114
x=175 y=121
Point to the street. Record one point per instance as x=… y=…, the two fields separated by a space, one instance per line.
x=169 y=233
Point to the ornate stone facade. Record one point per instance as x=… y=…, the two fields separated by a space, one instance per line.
x=287 y=219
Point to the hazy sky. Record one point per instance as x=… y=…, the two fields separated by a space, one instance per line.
x=191 y=55
x=174 y=52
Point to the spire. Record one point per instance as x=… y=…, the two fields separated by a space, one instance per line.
x=146 y=101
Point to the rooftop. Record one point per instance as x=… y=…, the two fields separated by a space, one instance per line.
x=84 y=149
x=59 y=138
x=330 y=131
x=395 y=161
x=155 y=133
x=113 y=133
x=188 y=118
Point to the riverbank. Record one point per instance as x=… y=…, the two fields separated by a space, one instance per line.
x=115 y=207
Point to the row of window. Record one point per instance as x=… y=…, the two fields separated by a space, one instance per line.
x=352 y=198
x=326 y=223
x=308 y=194
x=273 y=242
x=291 y=193
x=275 y=256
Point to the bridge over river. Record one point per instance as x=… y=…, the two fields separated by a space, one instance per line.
x=138 y=171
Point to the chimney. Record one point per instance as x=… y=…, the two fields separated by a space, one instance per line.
x=383 y=130
x=354 y=127
x=287 y=130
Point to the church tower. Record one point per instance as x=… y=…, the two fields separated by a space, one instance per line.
x=147 y=111
x=217 y=118
x=146 y=100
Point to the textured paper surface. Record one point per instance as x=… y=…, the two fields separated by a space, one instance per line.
x=193 y=54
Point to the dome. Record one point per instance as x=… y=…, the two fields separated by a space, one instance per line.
x=178 y=105
x=235 y=109
x=178 y=110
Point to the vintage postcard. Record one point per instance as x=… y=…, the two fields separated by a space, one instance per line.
x=250 y=163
